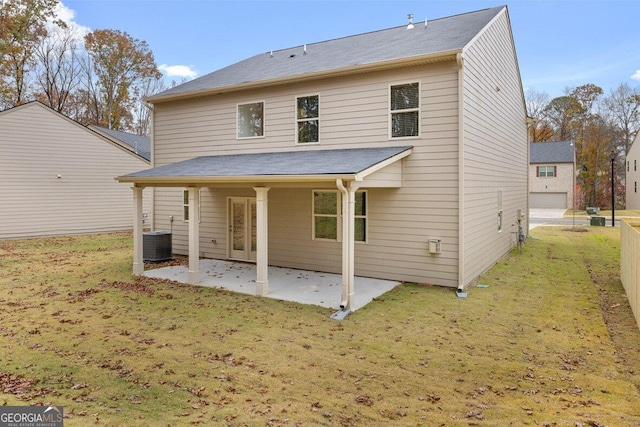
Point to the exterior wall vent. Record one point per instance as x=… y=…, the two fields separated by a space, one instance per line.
x=435 y=246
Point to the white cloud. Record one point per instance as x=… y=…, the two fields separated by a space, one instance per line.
x=178 y=71
x=67 y=15
x=636 y=76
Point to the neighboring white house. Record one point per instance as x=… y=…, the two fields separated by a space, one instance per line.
x=398 y=154
x=58 y=176
x=552 y=175
x=633 y=175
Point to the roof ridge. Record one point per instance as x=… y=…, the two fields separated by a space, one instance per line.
x=366 y=33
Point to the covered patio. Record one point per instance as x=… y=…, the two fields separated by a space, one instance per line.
x=347 y=170
x=287 y=284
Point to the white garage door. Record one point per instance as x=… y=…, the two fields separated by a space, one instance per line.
x=548 y=200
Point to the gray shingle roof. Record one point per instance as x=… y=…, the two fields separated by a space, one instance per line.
x=140 y=144
x=440 y=35
x=551 y=152
x=290 y=163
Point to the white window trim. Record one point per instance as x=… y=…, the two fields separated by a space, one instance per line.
x=339 y=216
x=184 y=205
x=391 y=112
x=553 y=169
x=297 y=120
x=264 y=121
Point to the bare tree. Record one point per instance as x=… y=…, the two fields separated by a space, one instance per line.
x=59 y=70
x=142 y=110
x=536 y=103
x=623 y=106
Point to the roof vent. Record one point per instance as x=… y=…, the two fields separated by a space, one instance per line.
x=410 y=16
x=425 y=22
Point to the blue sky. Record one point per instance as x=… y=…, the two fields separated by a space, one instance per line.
x=560 y=43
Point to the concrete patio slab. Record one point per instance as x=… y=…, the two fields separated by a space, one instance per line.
x=288 y=284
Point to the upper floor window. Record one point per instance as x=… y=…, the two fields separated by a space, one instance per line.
x=251 y=120
x=545 y=171
x=404 y=105
x=307 y=118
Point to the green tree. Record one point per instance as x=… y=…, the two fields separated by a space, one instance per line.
x=119 y=61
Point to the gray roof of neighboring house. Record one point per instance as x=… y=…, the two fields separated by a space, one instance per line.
x=551 y=152
x=289 y=163
x=141 y=144
x=440 y=35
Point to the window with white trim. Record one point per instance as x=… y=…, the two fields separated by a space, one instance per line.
x=404 y=110
x=251 y=120
x=545 y=171
x=327 y=215
x=185 y=205
x=308 y=119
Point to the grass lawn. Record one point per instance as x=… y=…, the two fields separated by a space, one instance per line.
x=546 y=339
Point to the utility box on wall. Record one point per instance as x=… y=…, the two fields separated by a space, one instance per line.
x=435 y=246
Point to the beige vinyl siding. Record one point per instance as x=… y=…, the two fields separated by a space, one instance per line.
x=633 y=175
x=38 y=144
x=495 y=147
x=354 y=113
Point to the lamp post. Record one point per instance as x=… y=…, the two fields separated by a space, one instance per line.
x=613 y=194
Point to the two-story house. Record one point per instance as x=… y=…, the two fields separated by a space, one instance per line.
x=57 y=176
x=552 y=175
x=397 y=154
x=633 y=175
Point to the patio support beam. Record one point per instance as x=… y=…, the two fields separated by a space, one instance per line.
x=348 y=244
x=194 y=235
x=138 y=255
x=262 y=241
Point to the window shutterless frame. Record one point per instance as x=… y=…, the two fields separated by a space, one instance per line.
x=307 y=112
x=185 y=205
x=404 y=110
x=250 y=121
x=327 y=215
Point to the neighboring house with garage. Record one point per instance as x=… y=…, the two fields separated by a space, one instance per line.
x=551 y=175
x=633 y=174
x=398 y=154
x=58 y=176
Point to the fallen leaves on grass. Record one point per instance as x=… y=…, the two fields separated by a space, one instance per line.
x=21 y=387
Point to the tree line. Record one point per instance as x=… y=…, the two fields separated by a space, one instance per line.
x=600 y=126
x=99 y=79
x=102 y=79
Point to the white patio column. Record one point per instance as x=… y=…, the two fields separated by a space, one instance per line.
x=262 y=241
x=194 y=235
x=138 y=261
x=348 y=245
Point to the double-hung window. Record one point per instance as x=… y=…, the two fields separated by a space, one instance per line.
x=185 y=204
x=327 y=215
x=546 y=171
x=251 y=120
x=308 y=119
x=404 y=110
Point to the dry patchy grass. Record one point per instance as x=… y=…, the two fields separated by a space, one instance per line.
x=548 y=339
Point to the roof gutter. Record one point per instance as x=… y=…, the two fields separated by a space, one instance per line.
x=448 y=55
x=180 y=180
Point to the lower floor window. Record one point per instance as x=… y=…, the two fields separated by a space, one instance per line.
x=327 y=215
x=185 y=204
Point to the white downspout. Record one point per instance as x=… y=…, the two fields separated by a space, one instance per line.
x=348 y=246
x=461 y=258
